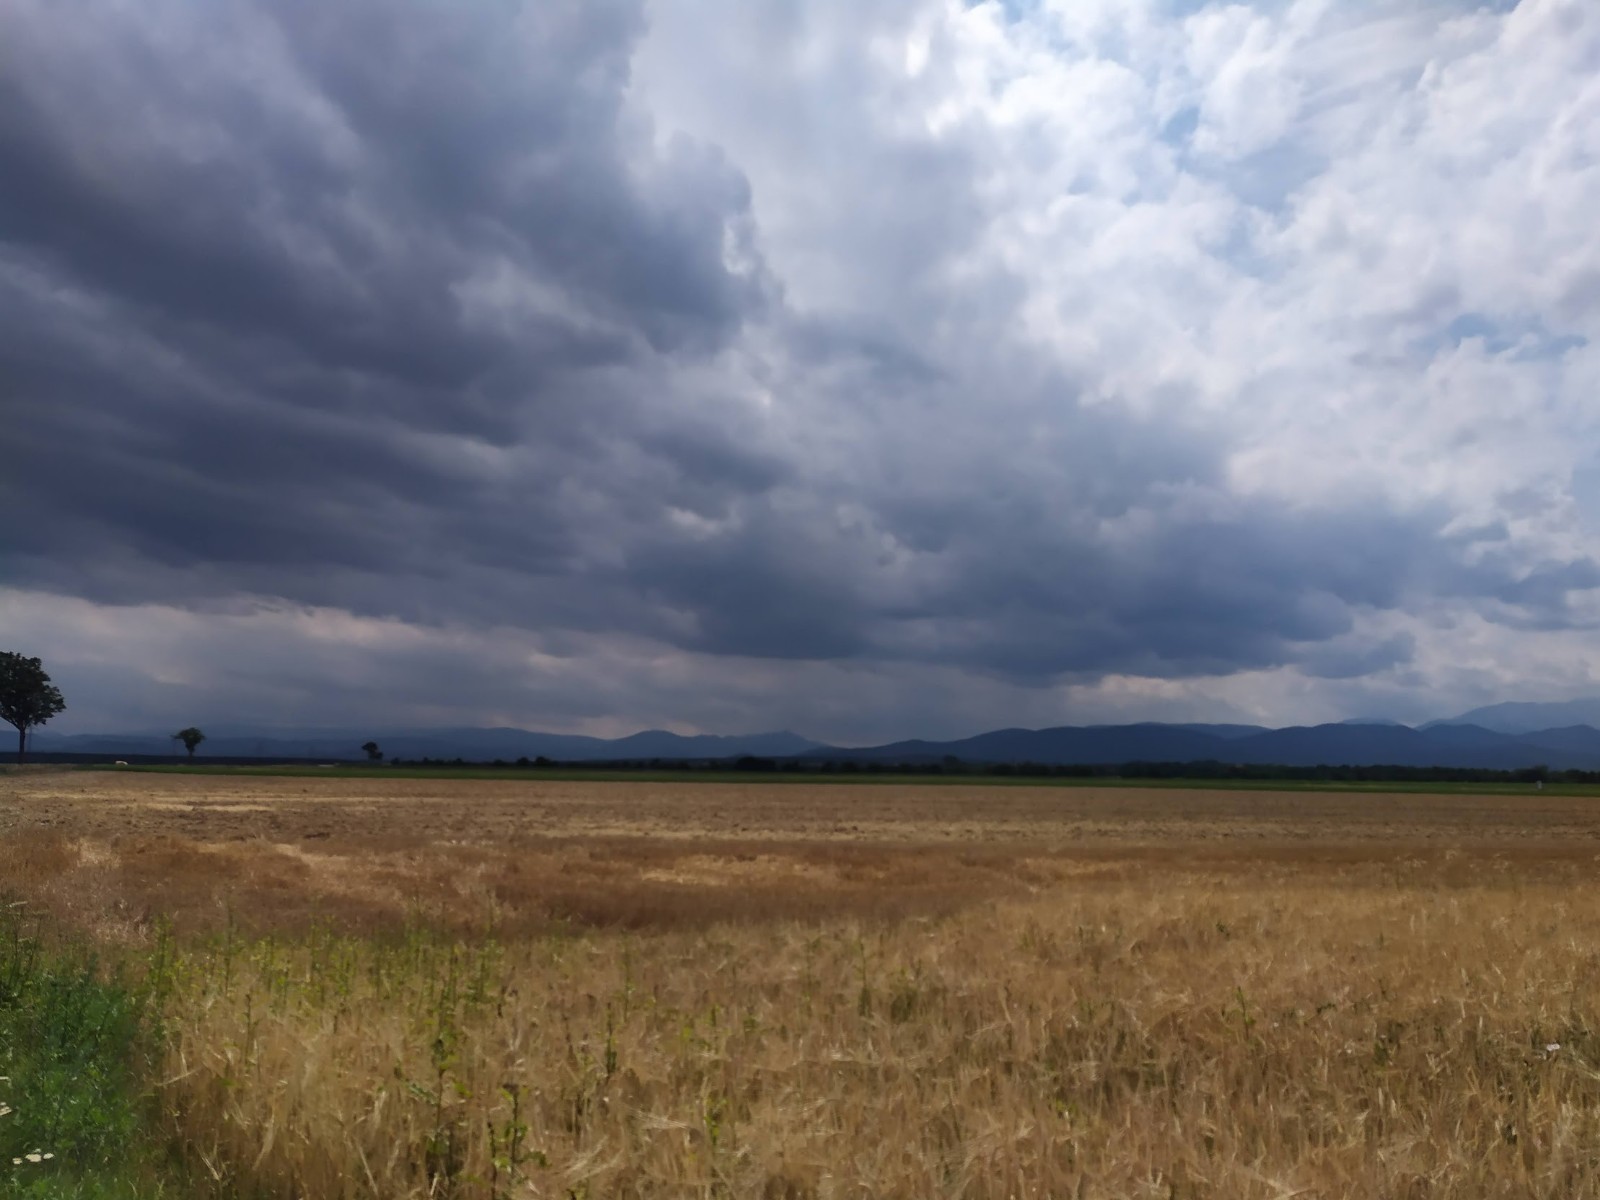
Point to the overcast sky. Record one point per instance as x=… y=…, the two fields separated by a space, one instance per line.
x=869 y=368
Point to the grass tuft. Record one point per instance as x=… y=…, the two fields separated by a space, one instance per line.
x=72 y=1039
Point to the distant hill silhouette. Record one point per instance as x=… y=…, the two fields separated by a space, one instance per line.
x=1067 y=744
x=1518 y=717
x=1445 y=744
x=1299 y=746
x=475 y=745
x=1221 y=731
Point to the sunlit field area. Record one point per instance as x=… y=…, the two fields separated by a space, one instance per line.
x=366 y=987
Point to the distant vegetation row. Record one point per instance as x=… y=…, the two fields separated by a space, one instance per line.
x=957 y=767
x=848 y=768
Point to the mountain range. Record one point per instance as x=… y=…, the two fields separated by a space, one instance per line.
x=1509 y=736
x=476 y=745
x=1519 y=717
x=1446 y=745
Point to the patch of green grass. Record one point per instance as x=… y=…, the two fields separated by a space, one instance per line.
x=71 y=1033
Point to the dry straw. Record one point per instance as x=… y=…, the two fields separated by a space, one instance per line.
x=853 y=992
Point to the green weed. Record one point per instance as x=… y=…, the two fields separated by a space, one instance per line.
x=72 y=1036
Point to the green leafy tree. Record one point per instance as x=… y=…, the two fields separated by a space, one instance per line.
x=27 y=697
x=374 y=755
x=191 y=739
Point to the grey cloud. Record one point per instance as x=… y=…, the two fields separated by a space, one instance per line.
x=1543 y=598
x=1354 y=659
x=298 y=286
x=463 y=145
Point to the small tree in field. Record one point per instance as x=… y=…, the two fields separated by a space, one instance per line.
x=374 y=755
x=191 y=739
x=27 y=697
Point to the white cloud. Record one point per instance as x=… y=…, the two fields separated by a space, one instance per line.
x=1289 y=271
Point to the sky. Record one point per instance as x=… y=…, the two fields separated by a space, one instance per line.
x=867 y=368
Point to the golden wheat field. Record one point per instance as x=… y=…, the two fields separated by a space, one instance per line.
x=378 y=987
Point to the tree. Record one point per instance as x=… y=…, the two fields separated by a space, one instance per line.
x=27 y=697
x=374 y=755
x=191 y=739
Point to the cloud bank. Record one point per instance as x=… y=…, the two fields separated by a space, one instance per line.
x=875 y=370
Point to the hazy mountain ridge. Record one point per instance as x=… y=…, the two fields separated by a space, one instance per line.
x=1498 y=741
x=1519 y=717
x=1572 y=748
x=472 y=744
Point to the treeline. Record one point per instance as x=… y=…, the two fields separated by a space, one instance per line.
x=1127 y=770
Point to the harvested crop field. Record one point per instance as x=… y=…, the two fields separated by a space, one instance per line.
x=279 y=851
x=386 y=987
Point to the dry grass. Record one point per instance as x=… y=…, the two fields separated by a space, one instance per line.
x=1218 y=1041
x=695 y=991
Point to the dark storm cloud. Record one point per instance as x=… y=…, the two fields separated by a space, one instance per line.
x=407 y=310
x=442 y=145
x=1335 y=660
x=1543 y=598
x=260 y=337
